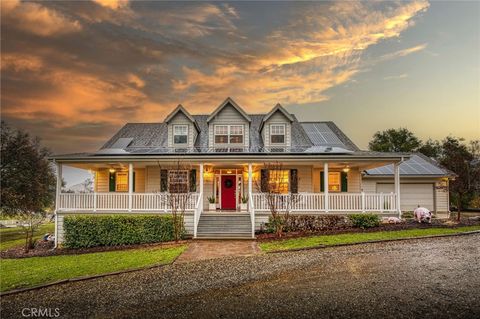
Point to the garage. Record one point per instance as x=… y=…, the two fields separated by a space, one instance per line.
x=412 y=195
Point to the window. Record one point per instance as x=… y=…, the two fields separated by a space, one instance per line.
x=278 y=180
x=180 y=134
x=334 y=181
x=277 y=133
x=221 y=134
x=122 y=182
x=178 y=181
x=228 y=134
x=236 y=134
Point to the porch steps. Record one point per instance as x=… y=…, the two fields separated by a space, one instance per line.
x=224 y=225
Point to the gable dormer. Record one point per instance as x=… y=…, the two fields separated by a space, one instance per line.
x=228 y=126
x=182 y=128
x=276 y=128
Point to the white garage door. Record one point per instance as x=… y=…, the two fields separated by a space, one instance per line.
x=411 y=195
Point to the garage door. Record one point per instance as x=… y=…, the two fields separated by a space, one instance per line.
x=411 y=195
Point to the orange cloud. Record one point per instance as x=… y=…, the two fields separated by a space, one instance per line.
x=112 y=4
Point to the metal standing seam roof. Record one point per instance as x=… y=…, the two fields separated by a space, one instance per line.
x=417 y=165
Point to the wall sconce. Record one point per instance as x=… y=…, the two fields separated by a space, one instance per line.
x=112 y=170
x=346 y=169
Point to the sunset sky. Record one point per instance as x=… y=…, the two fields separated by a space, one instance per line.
x=74 y=72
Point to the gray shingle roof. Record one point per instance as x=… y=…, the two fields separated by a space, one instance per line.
x=417 y=165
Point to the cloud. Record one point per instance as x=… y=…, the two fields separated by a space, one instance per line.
x=112 y=4
x=396 y=77
x=404 y=52
x=37 y=19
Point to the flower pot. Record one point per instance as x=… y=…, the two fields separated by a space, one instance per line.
x=212 y=206
x=243 y=207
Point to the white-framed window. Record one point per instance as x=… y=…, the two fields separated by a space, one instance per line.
x=334 y=181
x=180 y=134
x=228 y=134
x=121 y=184
x=178 y=181
x=277 y=133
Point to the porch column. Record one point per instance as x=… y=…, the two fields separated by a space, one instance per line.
x=201 y=179
x=130 y=186
x=325 y=185
x=57 y=199
x=396 y=170
x=250 y=179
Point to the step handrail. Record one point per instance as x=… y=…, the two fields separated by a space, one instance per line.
x=251 y=210
x=197 y=213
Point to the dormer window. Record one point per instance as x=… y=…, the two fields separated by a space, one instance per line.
x=277 y=133
x=229 y=134
x=180 y=134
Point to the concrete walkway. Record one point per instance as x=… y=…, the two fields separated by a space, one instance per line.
x=210 y=249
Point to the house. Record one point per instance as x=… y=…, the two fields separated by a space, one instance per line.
x=226 y=156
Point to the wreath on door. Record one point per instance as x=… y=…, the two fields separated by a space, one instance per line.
x=228 y=183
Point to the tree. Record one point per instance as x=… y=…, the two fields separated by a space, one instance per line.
x=274 y=183
x=431 y=148
x=457 y=158
x=27 y=185
x=394 y=140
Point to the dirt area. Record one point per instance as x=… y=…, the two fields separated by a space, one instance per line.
x=421 y=278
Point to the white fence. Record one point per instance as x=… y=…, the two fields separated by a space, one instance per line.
x=315 y=202
x=138 y=202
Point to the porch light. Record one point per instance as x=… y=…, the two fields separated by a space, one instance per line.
x=346 y=169
x=229 y=171
x=112 y=170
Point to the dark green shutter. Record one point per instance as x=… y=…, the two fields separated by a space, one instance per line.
x=111 y=182
x=264 y=180
x=134 y=181
x=344 y=182
x=294 y=181
x=193 y=180
x=163 y=180
x=322 y=181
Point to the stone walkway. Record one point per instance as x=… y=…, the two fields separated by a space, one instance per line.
x=210 y=249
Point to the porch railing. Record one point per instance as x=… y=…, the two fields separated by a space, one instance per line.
x=197 y=213
x=141 y=202
x=315 y=202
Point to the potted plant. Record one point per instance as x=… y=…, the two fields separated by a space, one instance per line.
x=211 y=203
x=243 y=204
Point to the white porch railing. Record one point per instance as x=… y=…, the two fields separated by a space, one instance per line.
x=197 y=213
x=315 y=202
x=141 y=202
x=251 y=210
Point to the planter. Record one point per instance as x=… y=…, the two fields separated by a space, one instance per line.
x=243 y=207
x=212 y=207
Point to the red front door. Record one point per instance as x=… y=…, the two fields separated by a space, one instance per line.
x=228 y=192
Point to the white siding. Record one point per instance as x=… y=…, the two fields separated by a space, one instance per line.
x=277 y=118
x=228 y=115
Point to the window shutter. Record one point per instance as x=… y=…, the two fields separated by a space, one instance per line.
x=134 y=181
x=344 y=182
x=111 y=182
x=163 y=180
x=264 y=180
x=294 y=181
x=322 y=179
x=193 y=180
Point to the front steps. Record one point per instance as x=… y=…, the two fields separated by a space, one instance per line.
x=224 y=225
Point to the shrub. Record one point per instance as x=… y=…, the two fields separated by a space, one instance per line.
x=113 y=230
x=407 y=215
x=364 y=220
x=308 y=223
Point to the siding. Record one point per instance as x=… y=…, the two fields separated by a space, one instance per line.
x=139 y=180
x=180 y=118
x=277 y=118
x=228 y=115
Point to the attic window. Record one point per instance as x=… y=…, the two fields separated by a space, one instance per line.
x=277 y=133
x=180 y=134
x=229 y=134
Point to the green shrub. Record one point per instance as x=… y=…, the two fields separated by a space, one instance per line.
x=112 y=230
x=407 y=215
x=364 y=220
x=308 y=223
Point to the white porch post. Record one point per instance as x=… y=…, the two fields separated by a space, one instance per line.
x=250 y=179
x=130 y=186
x=57 y=199
x=325 y=185
x=396 y=169
x=201 y=179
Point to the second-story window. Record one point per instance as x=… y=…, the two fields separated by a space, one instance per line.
x=180 y=134
x=277 y=133
x=229 y=134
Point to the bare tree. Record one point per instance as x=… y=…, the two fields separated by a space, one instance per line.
x=179 y=195
x=280 y=195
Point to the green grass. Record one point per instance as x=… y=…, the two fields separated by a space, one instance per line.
x=14 y=236
x=329 y=240
x=28 y=272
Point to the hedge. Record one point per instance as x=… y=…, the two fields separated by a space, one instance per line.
x=308 y=223
x=364 y=220
x=111 y=230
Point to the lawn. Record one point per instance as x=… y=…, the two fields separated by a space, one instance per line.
x=351 y=238
x=14 y=236
x=28 y=272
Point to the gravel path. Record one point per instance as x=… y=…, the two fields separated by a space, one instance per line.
x=429 y=278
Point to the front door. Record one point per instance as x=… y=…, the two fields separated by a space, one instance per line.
x=228 y=192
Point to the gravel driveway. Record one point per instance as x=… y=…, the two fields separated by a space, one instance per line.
x=429 y=278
